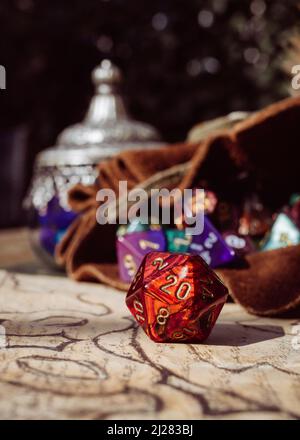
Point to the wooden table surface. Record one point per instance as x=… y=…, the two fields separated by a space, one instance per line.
x=72 y=351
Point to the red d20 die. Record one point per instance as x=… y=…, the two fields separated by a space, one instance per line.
x=176 y=297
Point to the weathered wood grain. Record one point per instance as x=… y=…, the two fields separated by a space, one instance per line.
x=74 y=352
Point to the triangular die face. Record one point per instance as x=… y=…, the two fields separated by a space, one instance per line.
x=153 y=306
x=207 y=320
x=208 y=287
x=283 y=233
x=162 y=262
x=162 y=319
x=211 y=246
x=136 y=304
x=174 y=284
x=138 y=281
x=155 y=262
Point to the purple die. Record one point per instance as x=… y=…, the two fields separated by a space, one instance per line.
x=54 y=222
x=131 y=249
x=55 y=216
x=241 y=244
x=47 y=239
x=211 y=246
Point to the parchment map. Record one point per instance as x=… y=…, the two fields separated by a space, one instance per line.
x=73 y=351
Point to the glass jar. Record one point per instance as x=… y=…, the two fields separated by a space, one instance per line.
x=106 y=130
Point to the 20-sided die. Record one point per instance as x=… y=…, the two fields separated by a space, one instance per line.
x=176 y=297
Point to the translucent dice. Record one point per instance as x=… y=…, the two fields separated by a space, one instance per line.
x=176 y=297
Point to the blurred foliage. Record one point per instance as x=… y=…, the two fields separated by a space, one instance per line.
x=184 y=61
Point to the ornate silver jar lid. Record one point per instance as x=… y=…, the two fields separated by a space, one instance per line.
x=106 y=130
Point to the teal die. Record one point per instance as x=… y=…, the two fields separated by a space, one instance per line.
x=283 y=233
x=137 y=225
x=177 y=240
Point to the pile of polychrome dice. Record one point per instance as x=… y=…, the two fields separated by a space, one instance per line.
x=175 y=295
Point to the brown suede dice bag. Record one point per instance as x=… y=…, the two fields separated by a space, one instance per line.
x=267 y=145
